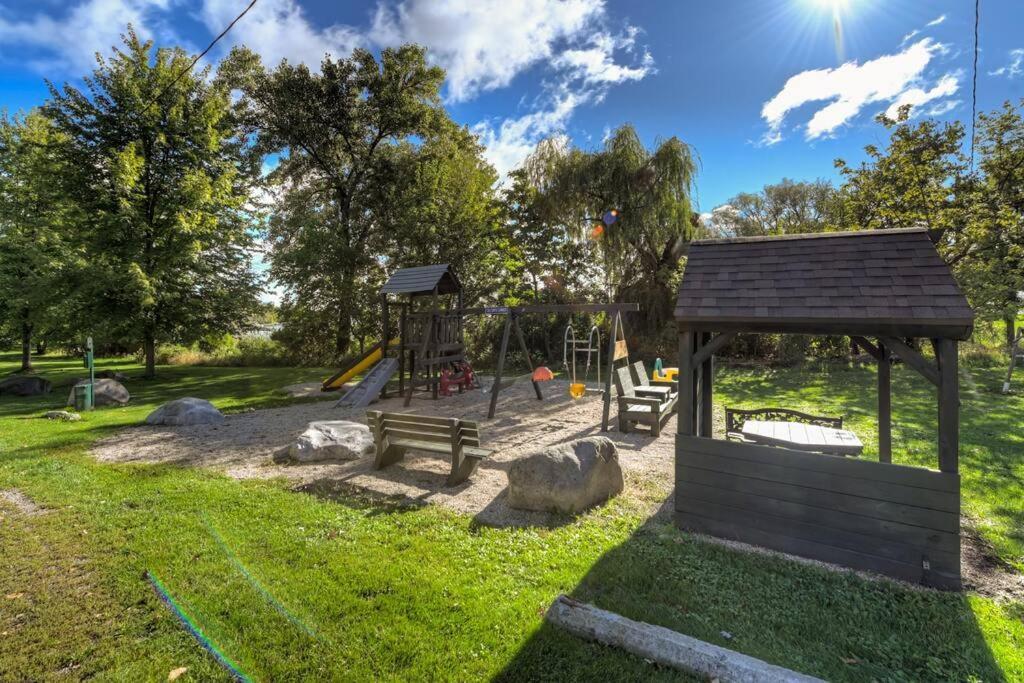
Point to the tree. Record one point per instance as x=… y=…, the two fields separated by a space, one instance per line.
x=650 y=192
x=913 y=182
x=784 y=208
x=335 y=131
x=162 y=178
x=442 y=207
x=991 y=241
x=35 y=252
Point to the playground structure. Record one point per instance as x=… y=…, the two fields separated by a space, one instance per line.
x=1016 y=354
x=429 y=356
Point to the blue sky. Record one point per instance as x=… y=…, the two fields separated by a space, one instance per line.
x=761 y=88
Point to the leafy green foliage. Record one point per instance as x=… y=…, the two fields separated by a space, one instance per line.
x=783 y=208
x=649 y=189
x=161 y=177
x=37 y=249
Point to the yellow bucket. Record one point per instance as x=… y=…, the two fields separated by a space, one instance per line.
x=576 y=390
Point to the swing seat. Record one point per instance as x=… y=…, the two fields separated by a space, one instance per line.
x=577 y=390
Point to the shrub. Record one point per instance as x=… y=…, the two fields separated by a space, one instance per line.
x=245 y=352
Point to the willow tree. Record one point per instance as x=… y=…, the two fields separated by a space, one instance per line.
x=649 y=190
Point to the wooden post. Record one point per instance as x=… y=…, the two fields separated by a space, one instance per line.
x=401 y=349
x=607 y=408
x=884 y=404
x=686 y=414
x=385 y=337
x=949 y=406
x=707 y=380
x=501 y=366
x=526 y=352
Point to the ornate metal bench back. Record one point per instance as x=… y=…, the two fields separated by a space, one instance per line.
x=734 y=418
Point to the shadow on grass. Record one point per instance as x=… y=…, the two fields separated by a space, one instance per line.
x=833 y=624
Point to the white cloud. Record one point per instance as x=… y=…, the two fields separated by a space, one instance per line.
x=852 y=86
x=915 y=97
x=507 y=143
x=1014 y=68
x=279 y=29
x=937 y=20
x=484 y=44
x=73 y=39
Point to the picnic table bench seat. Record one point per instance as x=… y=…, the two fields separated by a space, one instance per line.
x=396 y=433
x=649 y=405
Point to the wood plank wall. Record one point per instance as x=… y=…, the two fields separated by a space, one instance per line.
x=895 y=520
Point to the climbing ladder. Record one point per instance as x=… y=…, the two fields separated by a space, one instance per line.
x=370 y=387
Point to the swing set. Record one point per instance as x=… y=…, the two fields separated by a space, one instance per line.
x=617 y=352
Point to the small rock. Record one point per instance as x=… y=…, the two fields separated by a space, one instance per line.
x=21 y=385
x=105 y=392
x=62 y=415
x=175 y=674
x=332 y=440
x=726 y=635
x=567 y=478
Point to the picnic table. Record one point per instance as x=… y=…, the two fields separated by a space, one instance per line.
x=803 y=437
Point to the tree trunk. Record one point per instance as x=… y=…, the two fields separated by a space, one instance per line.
x=149 y=350
x=26 y=345
x=1010 y=331
x=343 y=336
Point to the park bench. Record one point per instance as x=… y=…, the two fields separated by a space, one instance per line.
x=663 y=389
x=636 y=407
x=396 y=433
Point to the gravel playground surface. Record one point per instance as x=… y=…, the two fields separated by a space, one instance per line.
x=244 y=447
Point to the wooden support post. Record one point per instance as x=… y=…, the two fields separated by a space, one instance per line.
x=607 y=408
x=686 y=413
x=884 y=404
x=526 y=353
x=385 y=337
x=707 y=380
x=401 y=349
x=496 y=387
x=949 y=406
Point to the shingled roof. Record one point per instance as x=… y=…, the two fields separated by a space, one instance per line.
x=422 y=280
x=877 y=282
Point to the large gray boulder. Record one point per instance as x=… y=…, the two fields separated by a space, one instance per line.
x=567 y=478
x=185 y=411
x=332 y=440
x=21 y=385
x=105 y=392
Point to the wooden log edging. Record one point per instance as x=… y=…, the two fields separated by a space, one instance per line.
x=666 y=646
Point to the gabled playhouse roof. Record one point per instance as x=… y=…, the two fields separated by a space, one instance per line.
x=878 y=282
x=422 y=280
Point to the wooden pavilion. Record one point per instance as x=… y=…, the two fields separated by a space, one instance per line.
x=882 y=288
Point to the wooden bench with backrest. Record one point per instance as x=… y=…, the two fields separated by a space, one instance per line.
x=734 y=419
x=636 y=408
x=644 y=386
x=396 y=433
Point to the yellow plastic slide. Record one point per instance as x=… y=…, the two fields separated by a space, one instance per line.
x=365 y=363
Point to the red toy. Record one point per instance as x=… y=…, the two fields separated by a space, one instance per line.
x=460 y=375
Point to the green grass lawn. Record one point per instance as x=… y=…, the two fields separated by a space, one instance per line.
x=289 y=586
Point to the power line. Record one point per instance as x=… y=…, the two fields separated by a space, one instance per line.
x=202 y=54
x=974 y=82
